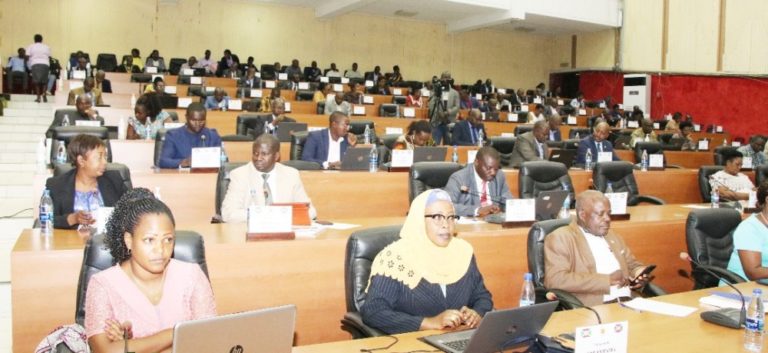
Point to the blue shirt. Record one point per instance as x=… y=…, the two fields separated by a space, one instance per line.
x=17 y=64
x=751 y=235
x=179 y=143
x=212 y=103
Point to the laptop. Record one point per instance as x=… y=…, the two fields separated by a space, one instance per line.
x=564 y=156
x=429 y=154
x=355 y=159
x=549 y=203
x=286 y=130
x=265 y=330
x=498 y=330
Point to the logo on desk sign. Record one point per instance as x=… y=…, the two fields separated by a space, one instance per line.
x=237 y=349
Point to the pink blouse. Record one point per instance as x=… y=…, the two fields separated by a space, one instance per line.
x=111 y=294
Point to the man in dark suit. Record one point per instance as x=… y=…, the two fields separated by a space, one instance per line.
x=250 y=81
x=327 y=146
x=467 y=132
x=554 y=128
x=531 y=145
x=102 y=83
x=227 y=61
x=269 y=123
x=596 y=143
x=479 y=189
x=312 y=73
x=375 y=75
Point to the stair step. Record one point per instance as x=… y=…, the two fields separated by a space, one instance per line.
x=13 y=205
x=36 y=129
x=29 y=105
x=17 y=157
x=16 y=191
x=18 y=167
x=18 y=146
x=19 y=137
x=24 y=97
x=28 y=120
x=28 y=112
x=16 y=178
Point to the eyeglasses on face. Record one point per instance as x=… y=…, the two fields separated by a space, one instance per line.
x=441 y=218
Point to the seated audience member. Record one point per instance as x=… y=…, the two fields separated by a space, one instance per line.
x=636 y=115
x=337 y=104
x=749 y=258
x=686 y=128
x=479 y=189
x=292 y=84
x=332 y=71
x=578 y=102
x=250 y=81
x=128 y=66
x=554 y=133
x=85 y=112
x=17 y=67
x=53 y=74
x=381 y=87
x=78 y=193
x=89 y=90
x=270 y=123
x=312 y=73
x=419 y=134
x=158 y=85
x=323 y=89
x=729 y=182
x=248 y=64
x=673 y=125
x=492 y=110
x=353 y=72
x=643 y=133
x=615 y=115
x=353 y=96
x=218 y=101
x=278 y=68
x=136 y=57
x=414 y=98
x=587 y=259
x=177 y=149
x=191 y=64
x=531 y=145
x=374 y=75
x=227 y=63
x=428 y=279
x=536 y=115
x=266 y=101
x=265 y=180
x=134 y=305
x=467 y=132
x=102 y=84
x=328 y=146
x=466 y=101
x=154 y=60
x=206 y=63
x=754 y=150
x=395 y=76
x=550 y=108
x=82 y=65
x=596 y=143
x=541 y=90
x=148 y=112
x=294 y=69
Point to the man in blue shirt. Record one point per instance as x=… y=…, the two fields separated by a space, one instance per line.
x=218 y=101
x=597 y=142
x=177 y=149
x=17 y=66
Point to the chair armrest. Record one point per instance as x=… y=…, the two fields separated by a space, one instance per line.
x=727 y=275
x=353 y=323
x=650 y=199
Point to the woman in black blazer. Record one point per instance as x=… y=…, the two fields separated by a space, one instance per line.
x=82 y=190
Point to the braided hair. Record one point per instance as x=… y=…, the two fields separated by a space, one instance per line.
x=126 y=216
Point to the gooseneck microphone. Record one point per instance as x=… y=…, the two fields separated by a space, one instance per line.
x=202 y=140
x=465 y=190
x=727 y=317
x=552 y=297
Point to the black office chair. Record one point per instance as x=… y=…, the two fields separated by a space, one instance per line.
x=570 y=144
x=761 y=174
x=246 y=122
x=505 y=146
x=709 y=237
x=705 y=188
x=398 y=100
x=189 y=247
x=620 y=175
x=222 y=185
x=305 y=95
x=159 y=141
x=196 y=91
x=268 y=72
x=174 y=115
x=538 y=176
x=125 y=173
x=236 y=138
x=665 y=138
x=106 y=62
x=720 y=151
x=389 y=140
x=362 y=248
x=425 y=176
x=58 y=117
x=302 y=165
x=522 y=118
x=521 y=129
x=297 y=144
x=141 y=78
x=357 y=127
x=651 y=148
x=535 y=252
x=174 y=66
x=582 y=131
x=65 y=134
x=389 y=110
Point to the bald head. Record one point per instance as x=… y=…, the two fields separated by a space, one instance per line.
x=593 y=212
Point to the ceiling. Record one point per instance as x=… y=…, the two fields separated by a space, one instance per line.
x=467 y=15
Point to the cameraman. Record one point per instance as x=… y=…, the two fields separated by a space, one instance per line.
x=443 y=108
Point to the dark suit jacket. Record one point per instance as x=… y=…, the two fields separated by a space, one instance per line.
x=462 y=135
x=526 y=150
x=377 y=90
x=589 y=144
x=106 y=86
x=371 y=76
x=257 y=126
x=62 y=189
x=316 y=147
x=465 y=203
x=255 y=82
x=558 y=136
x=224 y=66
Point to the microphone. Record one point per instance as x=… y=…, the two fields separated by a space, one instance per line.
x=727 y=317
x=552 y=297
x=202 y=140
x=465 y=190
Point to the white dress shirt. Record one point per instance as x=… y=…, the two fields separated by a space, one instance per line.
x=605 y=263
x=334 y=150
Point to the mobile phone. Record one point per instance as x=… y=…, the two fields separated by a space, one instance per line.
x=648 y=269
x=763 y=281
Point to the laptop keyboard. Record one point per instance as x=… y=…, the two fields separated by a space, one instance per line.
x=458 y=345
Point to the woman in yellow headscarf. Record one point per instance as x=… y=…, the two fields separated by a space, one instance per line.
x=428 y=279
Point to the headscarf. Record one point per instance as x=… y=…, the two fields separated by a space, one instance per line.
x=415 y=256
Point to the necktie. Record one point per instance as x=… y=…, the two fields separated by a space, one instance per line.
x=472 y=134
x=484 y=194
x=267 y=191
x=600 y=146
x=541 y=150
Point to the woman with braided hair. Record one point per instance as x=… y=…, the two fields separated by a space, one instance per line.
x=133 y=306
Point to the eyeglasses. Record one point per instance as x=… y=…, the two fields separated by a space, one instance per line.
x=441 y=218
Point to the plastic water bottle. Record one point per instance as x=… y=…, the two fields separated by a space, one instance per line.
x=65 y=121
x=527 y=293
x=61 y=153
x=148 y=129
x=480 y=138
x=223 y=156
x=725 y=142
x=644 y=161
x=122 y=128
x=609 y=189
x=577 y=136
x=373 y=160
x=564 y=213
x=367 y=134
x=157 y=193
x=715 y=197
x=455 y=154
x=753 y=329
x=46 y=213
x=133 y=101
x=588 y=160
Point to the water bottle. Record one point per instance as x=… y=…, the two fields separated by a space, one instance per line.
x=133 y=101
x=564 y=213
x=455 y=155
x=647 y=138
x=122 y=128
x=725 y=142
x=46 y=213
x=588 y=160
x=753 y=329
x=223 y=156
x=61 y=153
x=148 y=129
x=157 y=193
x=577 y=136
x=373 y=160
x=367 y=134
x=480 y=138
x=65 y=121
x=527 y=294
x=715 y=197
x=644 y=161
x=251 y=205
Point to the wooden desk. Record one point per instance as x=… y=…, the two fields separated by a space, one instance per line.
x=685 y=159
x=307 y=273
x=648 y=332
